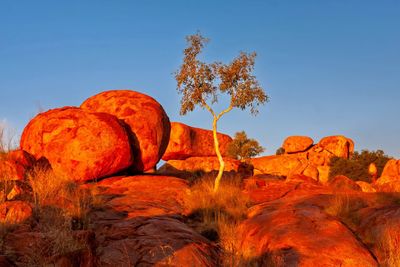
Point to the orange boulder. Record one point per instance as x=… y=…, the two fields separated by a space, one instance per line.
x=78 y=144
x=294 y=144
x=187 y=141
x=390 y=173
x=338 y=145
x=343 y=183
x=15 y=164
x=281 y=165
x=146 y=120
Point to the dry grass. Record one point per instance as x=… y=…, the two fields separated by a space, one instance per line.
x=389 y=244
x=217 y=216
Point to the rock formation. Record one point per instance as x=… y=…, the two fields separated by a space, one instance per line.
x=78 y=144
x=147 y=123
x=187 y=141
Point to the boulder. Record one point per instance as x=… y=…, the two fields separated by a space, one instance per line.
x=15 y=164
x=390 y=173
x=140 y=224
x=323 y=173
x=15 y=212
x=294 y=144
x=294 y=234
x=187 y=141
x=203 y=164
x=281 y=165
x=147 y=123
x=338 y=145
x=78 y=144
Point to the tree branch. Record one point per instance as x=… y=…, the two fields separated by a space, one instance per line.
x=209 y=108
x=224 y=111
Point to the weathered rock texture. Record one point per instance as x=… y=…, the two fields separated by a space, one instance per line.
x=78 y=144
x=294 y=144
x=301 y=157
x=14 y=212
x=187 y=141
x=15 y=164
x=146 y=120
x=140 y=224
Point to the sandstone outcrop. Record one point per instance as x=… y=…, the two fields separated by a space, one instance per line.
x=186 y=141
x=281 y=165
x=338 y=145
x=78 y=144
x=147 y=123
x=294 y=144
x=15 y=164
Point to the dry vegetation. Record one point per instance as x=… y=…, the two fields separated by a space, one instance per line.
x=217 y=215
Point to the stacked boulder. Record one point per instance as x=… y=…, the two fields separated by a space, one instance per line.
x=303 y=157
x=192 y=149
x=390 y=177
x=113 y=131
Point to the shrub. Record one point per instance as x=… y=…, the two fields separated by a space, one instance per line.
x=280 y=151
x=356 y=167
x=243 y=147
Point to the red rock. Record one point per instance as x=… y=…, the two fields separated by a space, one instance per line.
x=366 y=187
x=293 y=234
x=15 y=212
x=323 y=174
x=78 y=144
x=282 y=165
x=390 y=173
x=140 y=224
x=148 y=124
x=338 y=145
x=15 y=164
x=341 y=182
x=204 y=164
x=187 y=141
x=14 y=192
x=380 y=231
x=294 y=144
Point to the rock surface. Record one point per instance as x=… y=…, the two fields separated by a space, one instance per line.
x=341 y=182
x=15 y=164
x=281 y=165
x=140 y=224
x=187 y=141
x=292 y=233
x=78 y=144
x=203 y=164
x=148 y=124
x=294 y=144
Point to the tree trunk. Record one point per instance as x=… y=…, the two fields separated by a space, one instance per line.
x=221 y=160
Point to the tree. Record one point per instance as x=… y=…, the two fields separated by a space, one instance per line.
x=243 y=148
x=201 y=84
x=357 y=167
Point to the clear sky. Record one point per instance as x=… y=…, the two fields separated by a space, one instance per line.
x=330 y=67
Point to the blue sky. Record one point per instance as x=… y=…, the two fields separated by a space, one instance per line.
x=330 y=67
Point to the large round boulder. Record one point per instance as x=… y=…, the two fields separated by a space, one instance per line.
x=148 y=124
x=338 y=145
x=187 y=141
x=15 y=164
x=294 y=144
x=78 y=144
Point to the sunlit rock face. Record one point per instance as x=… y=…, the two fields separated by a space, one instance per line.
x=338 y=145
x=78 y=144
x=187 y=141
x=293 y=144
x=147 y=123
x=15 y=164
x=14 y=212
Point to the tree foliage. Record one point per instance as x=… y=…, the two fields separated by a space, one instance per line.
x=243 y=147
x=356 y=167
x=200 y=84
